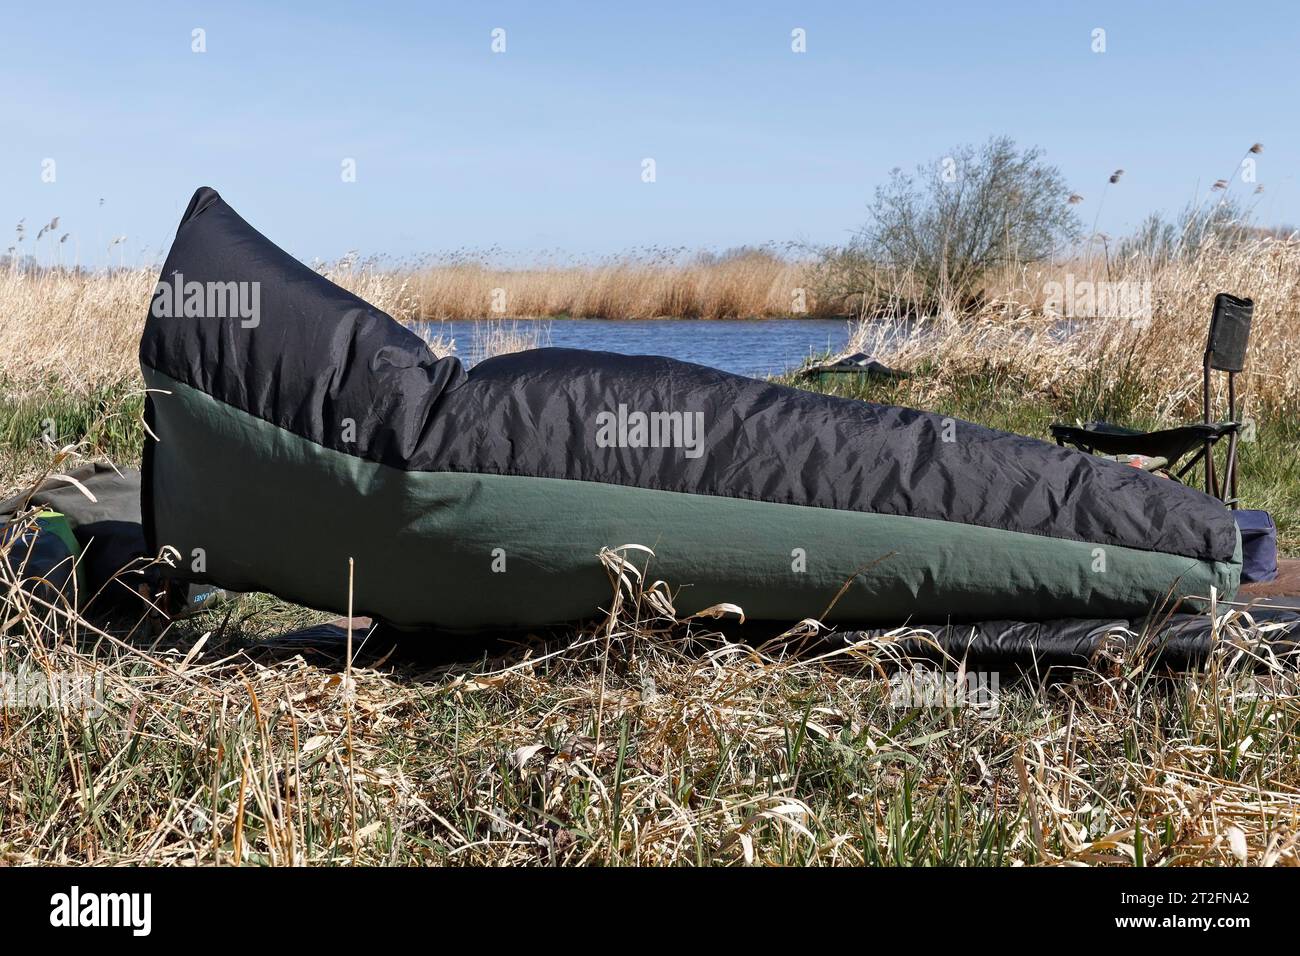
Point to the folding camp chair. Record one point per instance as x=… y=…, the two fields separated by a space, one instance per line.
x=1225 y=351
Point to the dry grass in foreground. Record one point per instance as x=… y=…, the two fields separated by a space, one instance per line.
x=643 y=739
x=640 y=740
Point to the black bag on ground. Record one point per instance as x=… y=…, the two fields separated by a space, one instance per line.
x=114 y=567
x=37 y=559
x=106 y=529
x=1258 y=545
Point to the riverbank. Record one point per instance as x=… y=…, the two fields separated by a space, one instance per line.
x=637 y=740
x=753 y=284
x=646 y=740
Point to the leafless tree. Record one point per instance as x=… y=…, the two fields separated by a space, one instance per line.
x=937 y=231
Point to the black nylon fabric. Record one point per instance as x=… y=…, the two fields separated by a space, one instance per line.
x=1176 y=641
x=329 y=367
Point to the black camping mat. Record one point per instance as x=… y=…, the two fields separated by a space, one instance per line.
x=107 y=529
x=1174 y=641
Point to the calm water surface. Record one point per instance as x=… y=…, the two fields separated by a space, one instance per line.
x=755 y=347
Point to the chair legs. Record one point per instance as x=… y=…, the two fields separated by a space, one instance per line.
x=1211 y=485
x=1230 y=468
x=1191 y=463
x=1230 y=473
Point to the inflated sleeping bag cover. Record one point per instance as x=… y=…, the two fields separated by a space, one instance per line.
x=323 y=429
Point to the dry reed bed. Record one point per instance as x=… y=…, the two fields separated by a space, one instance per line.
x=744 y=287
x=74 y=330
x=1159 y=358
x=81 y=330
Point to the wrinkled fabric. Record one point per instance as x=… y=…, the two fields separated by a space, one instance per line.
x=327 y=366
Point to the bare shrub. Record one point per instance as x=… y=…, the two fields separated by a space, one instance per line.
x=933 y=235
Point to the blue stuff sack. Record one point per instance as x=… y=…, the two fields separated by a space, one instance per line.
x=1258 y=545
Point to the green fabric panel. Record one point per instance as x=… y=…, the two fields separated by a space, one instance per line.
x=275 y=512
x=57 y=524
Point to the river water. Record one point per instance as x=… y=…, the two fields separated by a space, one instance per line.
x=754 y=347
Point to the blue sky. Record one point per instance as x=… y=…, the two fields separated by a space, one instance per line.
x=540 y=148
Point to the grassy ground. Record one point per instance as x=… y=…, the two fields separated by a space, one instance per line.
x=638 y=740
x=641 y=739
